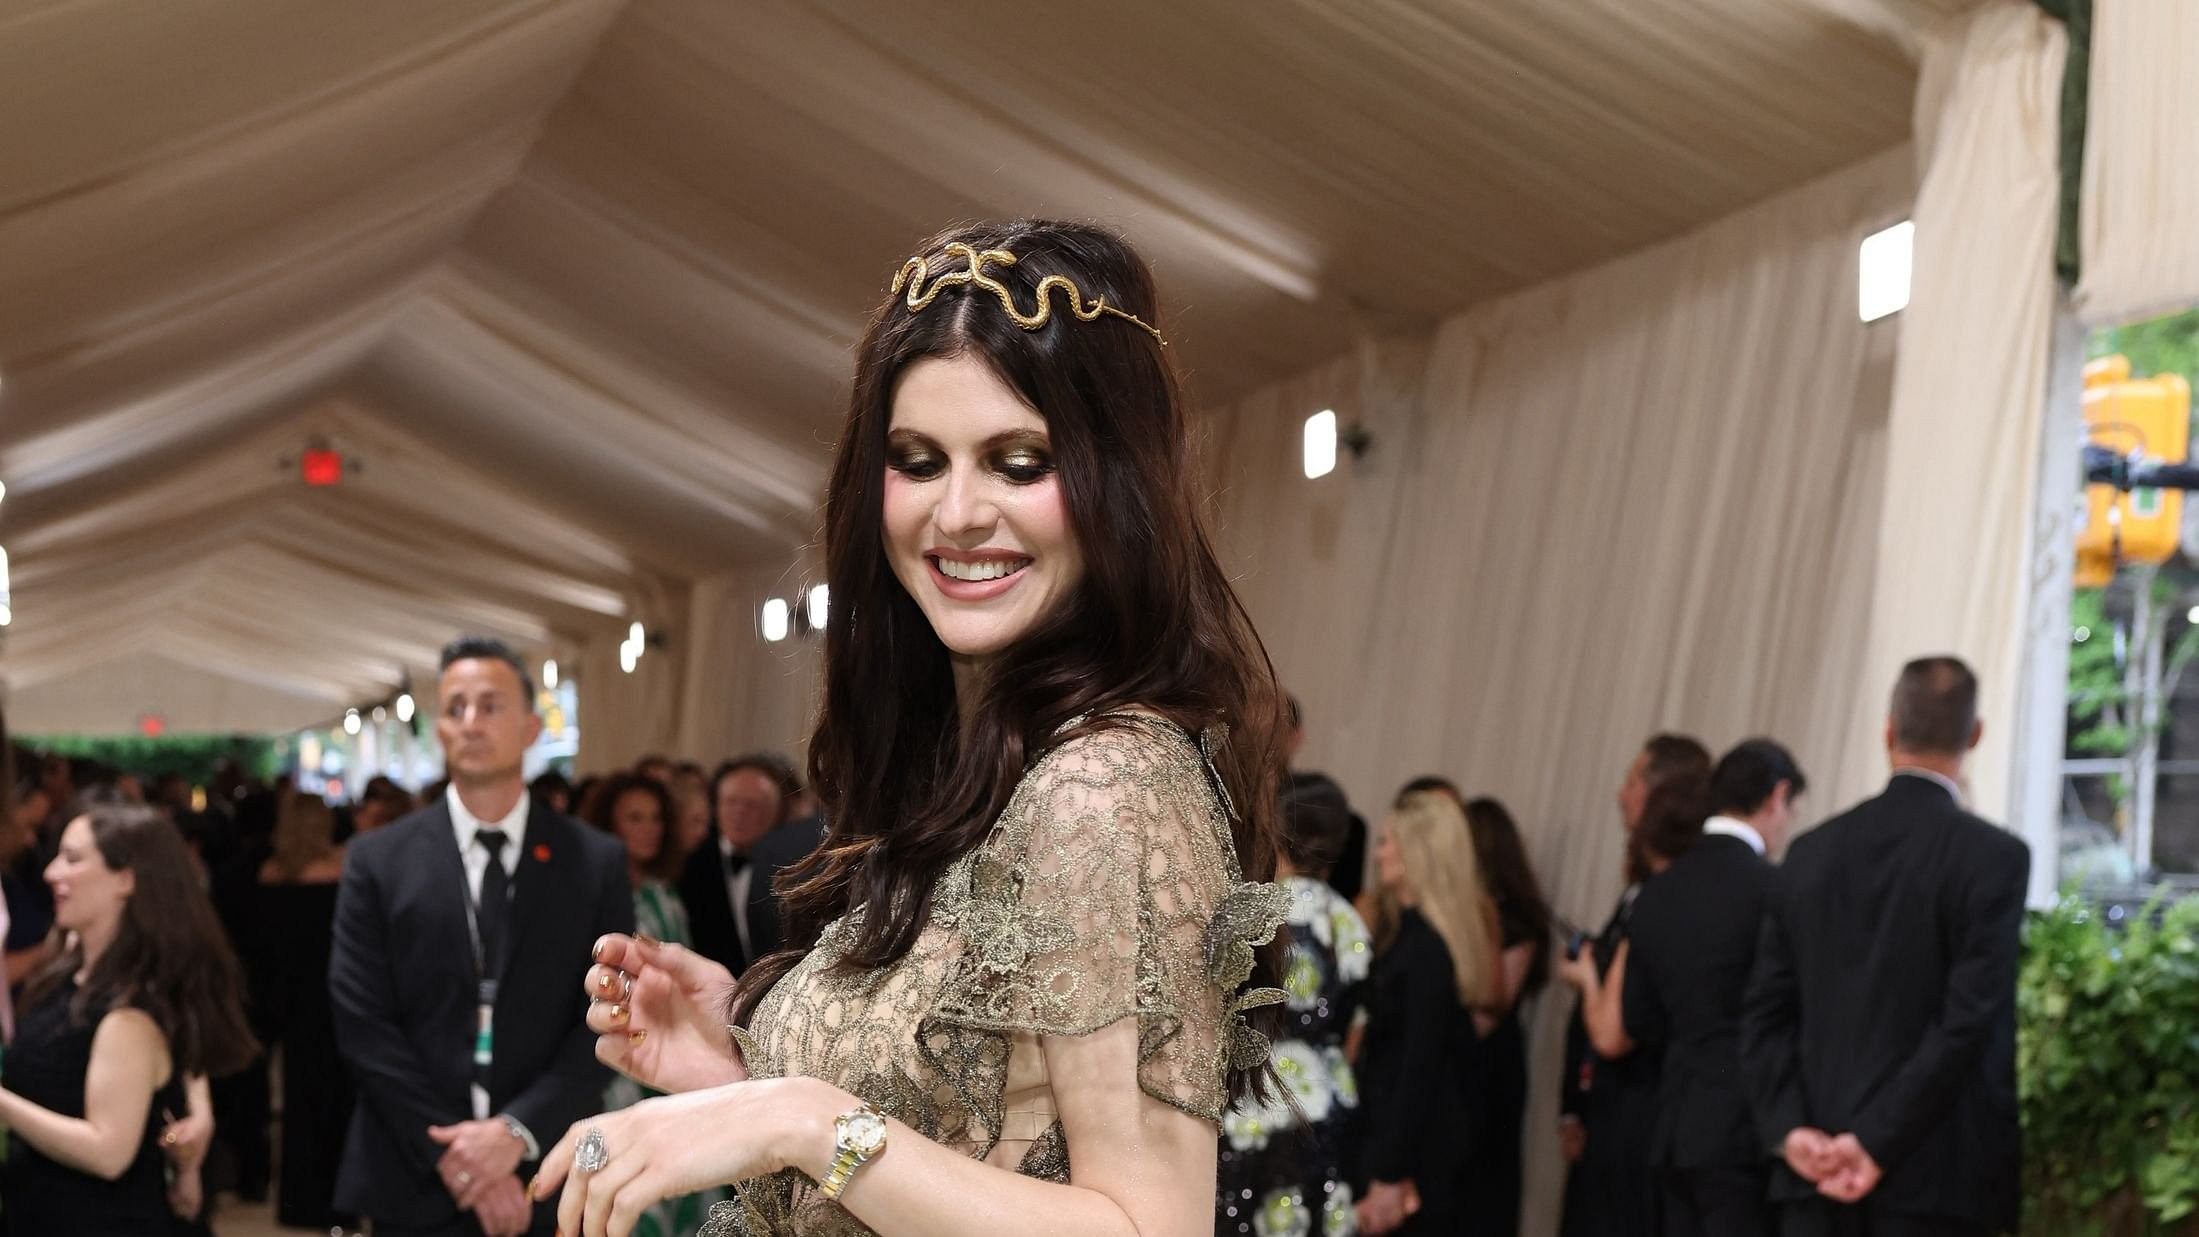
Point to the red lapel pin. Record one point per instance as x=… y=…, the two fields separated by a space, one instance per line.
x=542 y=852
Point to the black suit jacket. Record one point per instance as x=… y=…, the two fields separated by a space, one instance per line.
x=1694 y=931
x=402 y=984
x=779 y=850
x=709 y=905
x=1884 y=1002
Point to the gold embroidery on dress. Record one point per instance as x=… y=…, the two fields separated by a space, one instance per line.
x=1109 y=888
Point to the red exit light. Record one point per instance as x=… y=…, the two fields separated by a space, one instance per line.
x=322 y=468
x=152 y=725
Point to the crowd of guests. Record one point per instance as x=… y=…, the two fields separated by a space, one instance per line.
x=1825 y=1047
x=172 y=956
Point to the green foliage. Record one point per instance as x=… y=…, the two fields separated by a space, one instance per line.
x=195 y=756
x=2108 y=1062
x=2096 y=695
x=2160 y=346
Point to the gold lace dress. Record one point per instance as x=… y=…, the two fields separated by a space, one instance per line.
x=1108 y=889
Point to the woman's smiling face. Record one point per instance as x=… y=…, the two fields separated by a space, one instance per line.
x=976 y=525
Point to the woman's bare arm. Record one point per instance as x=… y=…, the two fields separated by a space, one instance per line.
x=129 y=1062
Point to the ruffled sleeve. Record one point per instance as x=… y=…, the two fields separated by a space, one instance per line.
x=1110 y=890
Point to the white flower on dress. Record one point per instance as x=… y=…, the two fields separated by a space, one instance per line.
x=1249 y=1124
x=1342 y=1080
x=1283 y=1213
x=1302 y=1069
x=1354 y=952
x=1339 y=1218
x=1309 y=907
x=1302 y=978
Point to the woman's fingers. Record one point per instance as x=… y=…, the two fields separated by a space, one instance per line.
x=556 y=1162
x=608 y=1017
x=608 y=982
x=690 y=970
x=604 y=1188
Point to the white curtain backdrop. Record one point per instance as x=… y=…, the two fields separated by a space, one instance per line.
x=1963 y=438
x=2139 y=213
x=742 y=692
x=1640 y=498
x=716 y=687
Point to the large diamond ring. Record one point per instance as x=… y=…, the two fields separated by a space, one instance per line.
x=591 y=1155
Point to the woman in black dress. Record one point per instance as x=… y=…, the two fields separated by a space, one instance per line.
x=1523 y=920
x=297 y=910
x=141 y=991
x=1435 y=968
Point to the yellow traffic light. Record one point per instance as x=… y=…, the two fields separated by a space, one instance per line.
x=2150 y=420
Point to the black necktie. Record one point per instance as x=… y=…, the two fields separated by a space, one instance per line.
x=493 y=912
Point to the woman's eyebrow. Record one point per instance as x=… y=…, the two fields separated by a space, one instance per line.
x=1014 y=437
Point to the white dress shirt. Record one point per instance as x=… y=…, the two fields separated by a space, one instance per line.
x=476 y=858
x=1729 y=827
x=1953 y=787
x=465 y=826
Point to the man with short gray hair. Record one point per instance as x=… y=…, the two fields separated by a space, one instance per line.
x=1880 y=1029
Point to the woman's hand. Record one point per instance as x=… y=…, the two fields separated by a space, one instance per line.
x=678 y=1144
x=187 y=1193
x=656 y=1010
x=186 y=1139
x=1387 y=1206
x=1580 y=970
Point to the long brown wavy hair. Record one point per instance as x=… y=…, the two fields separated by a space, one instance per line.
x=169 y=958
x=1153 y=624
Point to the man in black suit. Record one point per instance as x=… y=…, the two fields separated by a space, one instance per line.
x=461 y=935
x=1695 y=929
x=1606 y=1106
x=1881 y=1026
x=748 y=796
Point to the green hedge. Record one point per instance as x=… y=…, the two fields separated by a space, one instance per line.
x=2108 y=1058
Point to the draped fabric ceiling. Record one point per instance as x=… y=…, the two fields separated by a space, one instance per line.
x=573 y=283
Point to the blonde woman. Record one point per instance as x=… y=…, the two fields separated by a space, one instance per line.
x=1435 y=976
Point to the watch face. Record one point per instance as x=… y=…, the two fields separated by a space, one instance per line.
x=864 y=1133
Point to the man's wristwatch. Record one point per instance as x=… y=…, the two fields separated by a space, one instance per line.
x=858 y=1137
x=529 y=1150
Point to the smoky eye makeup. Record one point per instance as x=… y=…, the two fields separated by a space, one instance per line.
x=1020 y=459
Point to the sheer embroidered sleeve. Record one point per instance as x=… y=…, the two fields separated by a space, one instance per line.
x=1112 y=890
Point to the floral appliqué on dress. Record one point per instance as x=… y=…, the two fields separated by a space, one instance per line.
x=1108 y=889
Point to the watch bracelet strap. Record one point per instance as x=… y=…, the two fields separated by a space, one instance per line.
x=842 y=1171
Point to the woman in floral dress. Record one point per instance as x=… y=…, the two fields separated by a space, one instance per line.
x=1284 y=1163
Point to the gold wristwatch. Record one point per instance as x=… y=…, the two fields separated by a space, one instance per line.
x=858 y=1137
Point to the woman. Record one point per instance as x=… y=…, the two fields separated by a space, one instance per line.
x=289 y=970
x=1672 y=821
x=638 y=810
x=1435 y=969
x=1285 y=1164
x=1031 y=924
x=141 y=992
x=690 y=822
x=1523 y=920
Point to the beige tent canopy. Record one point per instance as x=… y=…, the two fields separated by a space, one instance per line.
x=572 y=284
